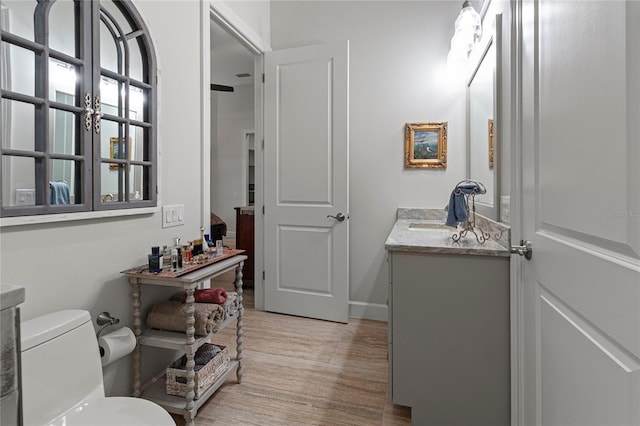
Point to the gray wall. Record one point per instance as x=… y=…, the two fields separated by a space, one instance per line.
x=77 y=264
x=398 y=53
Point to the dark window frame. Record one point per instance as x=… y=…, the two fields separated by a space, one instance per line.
x=89 y=163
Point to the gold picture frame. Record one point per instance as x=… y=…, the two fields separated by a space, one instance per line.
x=425 y=145
x=492 y=151
x=114 y=151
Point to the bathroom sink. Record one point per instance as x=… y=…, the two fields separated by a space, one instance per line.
x=429 y=225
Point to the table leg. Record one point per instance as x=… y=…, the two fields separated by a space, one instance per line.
x=137 y=330
x=239 y=332
x=189 y=410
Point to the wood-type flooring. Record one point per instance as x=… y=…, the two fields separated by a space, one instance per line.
x=301 y=371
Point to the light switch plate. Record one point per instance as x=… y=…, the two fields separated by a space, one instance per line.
x=25 y=197
x=172 y=215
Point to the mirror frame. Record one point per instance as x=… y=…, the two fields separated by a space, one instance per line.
x=491 y=211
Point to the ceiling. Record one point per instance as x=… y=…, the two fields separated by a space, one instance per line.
x=229 y=57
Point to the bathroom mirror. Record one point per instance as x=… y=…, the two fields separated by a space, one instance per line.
x=66 y=81
x=482 y=126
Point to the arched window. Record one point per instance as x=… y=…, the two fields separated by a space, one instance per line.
x=78 y=111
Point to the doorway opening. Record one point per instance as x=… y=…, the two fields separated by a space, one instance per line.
x=234 y=170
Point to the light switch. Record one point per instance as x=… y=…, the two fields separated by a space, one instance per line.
x=172 y=215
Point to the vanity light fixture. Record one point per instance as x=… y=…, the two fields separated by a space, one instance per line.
x=468 y=31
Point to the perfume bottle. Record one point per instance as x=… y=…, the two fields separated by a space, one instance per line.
x=154 y=260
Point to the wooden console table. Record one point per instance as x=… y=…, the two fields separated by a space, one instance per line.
x=155 y=389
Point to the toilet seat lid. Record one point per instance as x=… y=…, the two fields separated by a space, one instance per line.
x=119 y=411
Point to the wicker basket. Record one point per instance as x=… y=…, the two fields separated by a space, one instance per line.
x=204 y=378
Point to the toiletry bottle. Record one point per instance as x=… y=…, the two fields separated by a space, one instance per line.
x=166 y=257
x=154 y=260
x=174 y=259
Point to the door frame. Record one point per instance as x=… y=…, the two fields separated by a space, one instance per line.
x=517 y=302
x=229 y=20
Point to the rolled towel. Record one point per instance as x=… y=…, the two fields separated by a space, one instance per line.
x=205 y=353
x=208 y=295
x=172 y=316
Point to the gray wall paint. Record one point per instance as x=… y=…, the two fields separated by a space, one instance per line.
x=76 y=265
x=398 y=53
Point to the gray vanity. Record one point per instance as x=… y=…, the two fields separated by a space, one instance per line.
x=10 y=407
x=448 y=321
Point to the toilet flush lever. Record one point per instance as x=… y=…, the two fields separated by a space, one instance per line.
x=524 y=249
x=339 y=217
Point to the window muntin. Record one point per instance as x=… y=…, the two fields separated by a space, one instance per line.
x=72 y=93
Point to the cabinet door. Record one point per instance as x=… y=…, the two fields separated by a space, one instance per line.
x=450 y=324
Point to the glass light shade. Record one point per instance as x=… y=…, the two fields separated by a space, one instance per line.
x=468 y=26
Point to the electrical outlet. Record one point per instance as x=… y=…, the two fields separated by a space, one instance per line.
x=172 y=215
x=25 y=197
x=505 y=209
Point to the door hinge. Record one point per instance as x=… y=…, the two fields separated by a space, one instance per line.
x=263 y=144
x=262 y=275
x=263 y=209
x=263 y=77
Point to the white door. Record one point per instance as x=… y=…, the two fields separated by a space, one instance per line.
x=306 y=181
x=581 y=211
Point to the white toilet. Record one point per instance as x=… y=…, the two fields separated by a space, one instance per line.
x=62 y=377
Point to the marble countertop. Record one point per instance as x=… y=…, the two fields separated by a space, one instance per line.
x=10 y=295
x=423 y=231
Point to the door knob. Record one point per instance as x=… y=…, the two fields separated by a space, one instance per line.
x=339 y=217
x=524 y=249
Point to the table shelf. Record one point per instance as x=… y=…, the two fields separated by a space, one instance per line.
x=187 y=342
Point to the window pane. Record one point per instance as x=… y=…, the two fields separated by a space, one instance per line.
x=109 y=133
x=115 y=12
x=62 y=27
x=109 y=89
x=136 y=67
x=17 y=17
x=109 y=54
x=138 y=144
x=109 y=182
x=18 y=119
x=137 y=182
x=63 y=140
x=62 y=81
x=21 y=65
x=62 y=181
x=136 y=103
x=20 y=188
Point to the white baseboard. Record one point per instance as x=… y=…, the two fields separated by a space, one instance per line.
x=372 y=311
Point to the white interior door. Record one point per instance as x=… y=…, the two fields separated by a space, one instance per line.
x=581 y=210
x=306 y=181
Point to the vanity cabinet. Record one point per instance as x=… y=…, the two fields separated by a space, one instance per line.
x=449 y=337
x=10 y=377
x=155 y=389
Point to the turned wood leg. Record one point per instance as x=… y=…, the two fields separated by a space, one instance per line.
x=137 y=330
x=239 y=332
x=189 y=408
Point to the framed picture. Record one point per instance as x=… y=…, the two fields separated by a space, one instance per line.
x=491 y=147
x=425 y=145
x=114 y=151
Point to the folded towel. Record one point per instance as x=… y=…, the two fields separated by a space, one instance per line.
x=458 y=210
x=59 y=193
x=172 y=316
x=208 y=295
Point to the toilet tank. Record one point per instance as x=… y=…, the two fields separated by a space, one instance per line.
x=60 y=365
